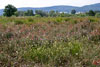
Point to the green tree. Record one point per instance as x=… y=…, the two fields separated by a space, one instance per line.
x=20 y=13
x=41 y=13
x=9 y=10
x=91 y=13
x=24 y=13
x=97 y=11
x=73 y=11
x=62 y=14
x=29 y=13
x=52 y=13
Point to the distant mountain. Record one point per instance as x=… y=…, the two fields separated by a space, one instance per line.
x=1 y=11
x=89 y=7
x=62 y=8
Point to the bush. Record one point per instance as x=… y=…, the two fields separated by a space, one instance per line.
x=93 y=20
x=75 y=48
x=30 y=20
x=58 y=53
x=74 y=21
x=8 y=35
x=45 y=54
x=59 y=19
x=37 y=15
x=97 y=15
x=19 y=22
x=95 y=38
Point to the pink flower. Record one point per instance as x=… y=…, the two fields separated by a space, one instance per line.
x=97 y=62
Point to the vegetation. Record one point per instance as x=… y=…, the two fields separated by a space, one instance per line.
x=91 y=13
x=97 y=15
x=9 y=10
x=73 y=11
x=49 y=41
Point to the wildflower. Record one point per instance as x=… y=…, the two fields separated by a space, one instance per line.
x=96 y=62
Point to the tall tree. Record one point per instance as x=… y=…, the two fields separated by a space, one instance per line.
x=52 y=13
x=41 y=13
x=29 y=13
x=91 y=13
x=73 y=11
x=20 y=13
x=9 y=10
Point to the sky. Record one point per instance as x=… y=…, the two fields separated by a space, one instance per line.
x=46 y=3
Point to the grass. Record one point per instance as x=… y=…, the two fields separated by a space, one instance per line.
x=49 y=42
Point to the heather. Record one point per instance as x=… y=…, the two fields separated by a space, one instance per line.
x=49 y=41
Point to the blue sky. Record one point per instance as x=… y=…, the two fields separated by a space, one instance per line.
x=46 y=3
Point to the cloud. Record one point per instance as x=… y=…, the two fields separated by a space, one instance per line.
x=45 y=3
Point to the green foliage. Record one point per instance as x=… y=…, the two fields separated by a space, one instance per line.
x=39 y=41
x=52 y=13
x=95 y=38
x=45 y=54
x=24 y=13
x=30 y=20
x=73 y=21
x=97 y=15
x=36 y=15
x=91 y=13
x=9 y=10
x=97 y=11
x=29 y=13
x=56 y=53
x=20 y=13
x=8 y=35
x=75 y=48
x=73 y=11
x=64 y=15
x=3 y=58
x=19 y=22
x=93 y=19
x=81 y=15
x=41 y=13
x=59 y=19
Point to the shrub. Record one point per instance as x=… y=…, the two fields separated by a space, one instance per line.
x=67 y=19
x=75 y=48
x=95 y=38
x=58 y=53
x=3 y=59
x=45 y=54
x=30 y=20
x=73 y=21
x=97 y=15
x=59 y=20
x=37 y=15
x=19 y=22
x=8 y=35
x=93 y=20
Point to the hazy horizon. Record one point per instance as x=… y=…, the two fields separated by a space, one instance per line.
x=47 y=3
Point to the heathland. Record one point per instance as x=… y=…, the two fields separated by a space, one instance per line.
x=49 y=41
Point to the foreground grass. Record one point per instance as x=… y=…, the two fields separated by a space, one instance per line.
x=49 y=42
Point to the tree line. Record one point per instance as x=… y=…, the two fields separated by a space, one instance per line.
x=11 y=10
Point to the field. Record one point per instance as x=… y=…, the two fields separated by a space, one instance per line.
x=49 y=41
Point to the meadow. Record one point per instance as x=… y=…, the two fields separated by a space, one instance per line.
x=49 y=41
